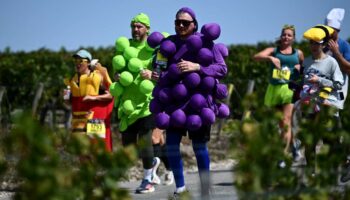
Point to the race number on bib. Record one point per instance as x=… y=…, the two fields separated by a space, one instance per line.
x=96 y=127
x=281 y=74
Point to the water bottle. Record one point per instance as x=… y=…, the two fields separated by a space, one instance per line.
x=160 y=63
x=66 y=93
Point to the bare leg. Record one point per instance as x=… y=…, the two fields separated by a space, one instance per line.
x=286 y=125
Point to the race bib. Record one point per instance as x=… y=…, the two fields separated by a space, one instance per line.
x=96 y=127
x=281 y=74
x=161 y=61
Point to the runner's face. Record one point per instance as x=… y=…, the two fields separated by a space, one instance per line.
x=139 y=31
x=315 y=48
x=184 y=25
x=287 y=37
x=81 y=65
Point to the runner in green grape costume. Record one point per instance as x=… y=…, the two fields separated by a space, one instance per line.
x=133 y=93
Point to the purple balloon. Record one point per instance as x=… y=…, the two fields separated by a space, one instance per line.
x=193 y=122
x=221 y=91
x=197 y=102
x=170 y=108
x=223 y=110
x=223 y=49
x=207 y=84
x=155 y=91
x=174 y=72
x=165 y=96
x=164 y=79
x=167 y=48
x=211 y=31
x=192 y=80
x=155 y=106
x=208 y=116
x=205 y=56
x=194 y=43
x=179 y=91
x=154 y=39
x=162 y=120
x=178 y=118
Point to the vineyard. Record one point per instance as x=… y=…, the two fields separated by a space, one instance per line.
x=31 y=84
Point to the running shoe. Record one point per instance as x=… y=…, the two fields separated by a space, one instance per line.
x=145 y=187
x=155 y=178
x=168 y=178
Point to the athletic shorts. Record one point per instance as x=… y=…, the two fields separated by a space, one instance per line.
x=202 y=134
x=278 y=95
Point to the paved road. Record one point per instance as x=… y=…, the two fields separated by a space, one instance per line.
x=221 y=177
x=222 y=187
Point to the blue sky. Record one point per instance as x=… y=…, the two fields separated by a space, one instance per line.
x=32 y=24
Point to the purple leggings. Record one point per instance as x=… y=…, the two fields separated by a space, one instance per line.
x=200 y=149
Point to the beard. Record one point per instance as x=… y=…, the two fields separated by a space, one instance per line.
x=137 y=36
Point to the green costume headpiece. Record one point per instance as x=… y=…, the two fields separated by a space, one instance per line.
x=142 y=18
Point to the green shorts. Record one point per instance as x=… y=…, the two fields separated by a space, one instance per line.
x=278 y=95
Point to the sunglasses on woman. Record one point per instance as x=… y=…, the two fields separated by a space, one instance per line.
x=184 y=23
x=80 y=60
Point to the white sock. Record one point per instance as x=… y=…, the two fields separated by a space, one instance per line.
x=180 y=189
x=147 y=174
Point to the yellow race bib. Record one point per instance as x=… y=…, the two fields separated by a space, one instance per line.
x=161 y=59
x=96 y=127
x=281 y=74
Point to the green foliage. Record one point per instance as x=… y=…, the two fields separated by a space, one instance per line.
x=52 y=166
x=257 y=143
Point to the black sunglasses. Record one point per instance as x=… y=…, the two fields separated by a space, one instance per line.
x=185 y=23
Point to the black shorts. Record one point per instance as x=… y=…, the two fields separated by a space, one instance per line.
x=138 y=129
x=202 y=134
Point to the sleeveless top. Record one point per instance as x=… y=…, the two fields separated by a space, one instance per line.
x=82 y=112
x=287 y=71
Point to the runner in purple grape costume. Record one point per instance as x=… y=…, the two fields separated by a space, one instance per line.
x=188 y=67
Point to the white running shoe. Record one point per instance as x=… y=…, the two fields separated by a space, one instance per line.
x=155 y=178
x=168 y=178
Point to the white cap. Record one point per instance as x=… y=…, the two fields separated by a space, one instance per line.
x=335 y=18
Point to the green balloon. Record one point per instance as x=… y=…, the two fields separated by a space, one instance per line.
x=146 y=87
x=128 y=107
x=148 y=48
x=135 y=65
x=130 y=52
x=126 y=78
x=116 y=89
x=118 y=62
x=165 y=34
x=121 y=44
x=146 y=62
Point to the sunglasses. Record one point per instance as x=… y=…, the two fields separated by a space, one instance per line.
x=80 y=60
x=184 y=23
